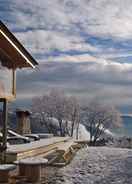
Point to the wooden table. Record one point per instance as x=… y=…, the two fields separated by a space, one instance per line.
x=4 y=172
x=31 y=168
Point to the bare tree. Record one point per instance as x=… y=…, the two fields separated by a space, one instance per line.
x=57 y=105
x=98 y=118
x=73 y=113
x=41 y=109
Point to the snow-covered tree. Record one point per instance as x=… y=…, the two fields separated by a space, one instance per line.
x=73 y=114
x=56 y=105
x=98 y=117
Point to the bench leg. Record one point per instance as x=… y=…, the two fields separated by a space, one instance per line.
x=22 y=171
x=4 y=175
x=32 y=173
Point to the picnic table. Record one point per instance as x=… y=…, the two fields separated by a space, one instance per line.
x=31 y=168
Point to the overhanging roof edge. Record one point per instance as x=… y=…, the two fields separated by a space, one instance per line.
x=15 y=41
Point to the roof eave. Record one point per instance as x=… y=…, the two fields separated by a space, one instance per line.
x=30 y=61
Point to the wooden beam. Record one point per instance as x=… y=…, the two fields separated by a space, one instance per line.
x=14 y=83
x=4 y=131
x=18 y=53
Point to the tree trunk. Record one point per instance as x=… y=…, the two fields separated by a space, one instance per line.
x=77 y=131
x=60 y=126
x=91 y=134
x=67 y=131
x=72 y=128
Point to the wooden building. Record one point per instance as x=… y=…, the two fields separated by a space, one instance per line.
x=13 y=55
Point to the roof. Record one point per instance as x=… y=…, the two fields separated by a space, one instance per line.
x=25 y=111
x=12 y=52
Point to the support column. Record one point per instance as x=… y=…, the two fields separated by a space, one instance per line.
x=4 y=130
x=23 y=122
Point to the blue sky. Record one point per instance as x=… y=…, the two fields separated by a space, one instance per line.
x=82 y=46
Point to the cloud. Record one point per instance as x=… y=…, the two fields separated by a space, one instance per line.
x=110 y=81
x=109 y=18
x=82 y=46
x=42 y=41
x=44 y=26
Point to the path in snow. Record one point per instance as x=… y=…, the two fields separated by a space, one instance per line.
x=95 y=165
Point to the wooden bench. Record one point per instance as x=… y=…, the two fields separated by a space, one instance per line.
x=66 y=153
x=18 y=152
x=5 y=171
x=31 y=168
x=82 y=142
x=76 y=146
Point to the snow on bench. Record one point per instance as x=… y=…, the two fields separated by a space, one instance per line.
x=35 y=144
x=44 y=136
x=17 y=152
x=64 y=147
x=32 y=161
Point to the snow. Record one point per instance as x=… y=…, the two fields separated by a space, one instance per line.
x=33 y=161
x=83 y=134
x=35 y=144
x=7 y=167
x=109 y=132
x=95 y=165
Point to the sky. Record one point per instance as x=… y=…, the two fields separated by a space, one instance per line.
x=83 y=47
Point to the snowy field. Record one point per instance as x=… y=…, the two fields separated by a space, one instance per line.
x=95 y=165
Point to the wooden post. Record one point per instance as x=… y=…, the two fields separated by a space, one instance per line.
x=4 y=130
x=14 y=83
x=23 y=122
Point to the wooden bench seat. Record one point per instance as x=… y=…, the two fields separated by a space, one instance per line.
x=66 y=152
x=18 y=152
x=76 y=146
x=31 y=168
x=86 y=142
x=5 y=171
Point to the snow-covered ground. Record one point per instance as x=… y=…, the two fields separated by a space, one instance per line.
x=95 y=165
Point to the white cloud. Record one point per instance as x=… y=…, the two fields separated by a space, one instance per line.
x=109 y=18
x=96 y=63
x=64 y=25
x=41 y=41
x=45 y=26
x=97 y=17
